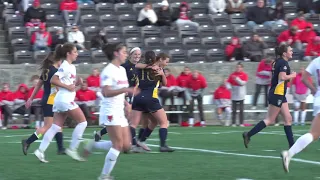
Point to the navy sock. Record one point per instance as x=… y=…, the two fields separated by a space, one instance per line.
x=163 y=132
x=59 y=139
x=257 y=128
x=133 y=135
x=147 y=132
x=141 y=130
x=288 y=131
x=103 y=131
x=32 y=138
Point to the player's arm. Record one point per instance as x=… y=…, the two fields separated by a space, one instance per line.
x=146 y=66
x=36 y=89
x=107 y=81
x=306 y=76
x=160 y=72
x=55 y=80
x=283 y=72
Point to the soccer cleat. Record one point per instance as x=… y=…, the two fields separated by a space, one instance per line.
x=61 y=151
x=97 y=136
x=136 y=149
x=105 y=177
x=74 y=155
x=87 y=149
x=166 y=149
x=25 y=146
x=285 y=160
x=40 y=155
x=246 y=139
x=143 y=145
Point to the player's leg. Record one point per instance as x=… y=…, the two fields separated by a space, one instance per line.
x=303 y=107
x=296 y=112
x=144 y=124
x=77 y=133
x=148 y=131
x=135 y=117
x=285 y=112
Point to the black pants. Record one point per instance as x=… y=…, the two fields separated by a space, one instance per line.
x=86 y=111
x=256 y=94
x=144 y=22
x=200 y=107
x=165 y=94
x=234 y=111
x=164 y=22
x=7 y=114
x=182 y=95
x=256 y=58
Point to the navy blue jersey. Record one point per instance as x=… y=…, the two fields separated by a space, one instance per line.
x=278 y=86
x=147 y=83
x=49 y=89
x=131 y=73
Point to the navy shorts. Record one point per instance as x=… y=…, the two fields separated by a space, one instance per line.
x=47 y=110
x=146 y=104
x=277 y=100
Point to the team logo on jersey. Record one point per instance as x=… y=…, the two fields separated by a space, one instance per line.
x=60 y=70
x=285 y=67
x=110 y=118
x=279 y=102
x=72 y=76
x=104 y=78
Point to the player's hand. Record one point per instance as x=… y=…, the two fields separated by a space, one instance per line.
x=155 y=67
x=160 y=72
x=71 y=87
x=79 y=81
x=133 y=90
x=293 y=74
x=28 y=103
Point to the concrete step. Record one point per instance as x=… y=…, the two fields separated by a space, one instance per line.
x=2 y=38
x=5 y=61
x=6 y=56
x=4 y=44
x=4 y=50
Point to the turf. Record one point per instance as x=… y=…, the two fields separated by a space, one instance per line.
x=209 y=153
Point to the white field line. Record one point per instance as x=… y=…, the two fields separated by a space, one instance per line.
x=282 y=134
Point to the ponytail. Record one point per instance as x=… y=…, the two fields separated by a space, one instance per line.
x=47 y=62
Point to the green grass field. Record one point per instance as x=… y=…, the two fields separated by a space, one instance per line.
x=209 y=153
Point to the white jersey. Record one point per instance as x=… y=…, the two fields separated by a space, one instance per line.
x=116 y=78
x=314 y=70
x=67 y=75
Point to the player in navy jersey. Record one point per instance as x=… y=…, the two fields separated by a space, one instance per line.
x=48 y=67
x=147 y=101
x=281 y=75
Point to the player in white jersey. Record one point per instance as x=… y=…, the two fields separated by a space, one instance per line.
x=66 y=80
x=312 y=70
x=114 y=85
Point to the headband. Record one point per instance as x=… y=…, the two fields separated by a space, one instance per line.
x=134 y=49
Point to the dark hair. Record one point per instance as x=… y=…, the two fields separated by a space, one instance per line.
x=109 y=49
x=150 y=57
x=62 y=50
x=47 y=62
x=279 y=50
x=240 y=64
x=162 y=56
x=34 y=77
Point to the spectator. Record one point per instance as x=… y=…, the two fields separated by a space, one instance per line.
x=147 y=16
x=182 y=81
x=15 y=4
x=238 y=80
x=216 y=6
x=196 y=85
x=235 y=6
x=35 y=15
x=7 y=103
x=58 y=38
x=164 y=14
x=20 y=98
x=98 y=40
x=234 y=50
x=93 y=81
x=307 y=35
x=278 y=15
x=76 y=37
x=183 y=16
x=85 y=98
x=300 y=22
x=305 y=6
x=290 y=37
x=70 y=7
x=41 y=40
x=263 y=79
x=222 y=98
x=36 y=103
x=254 y=49
x=259 y=15
x=313 y=49
x=167 y=91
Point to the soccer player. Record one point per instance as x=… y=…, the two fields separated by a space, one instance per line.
x=314 y=133
x=114 y=84
x=49 y=67
x=66 y=80
x=281 y=74
x=147 y=101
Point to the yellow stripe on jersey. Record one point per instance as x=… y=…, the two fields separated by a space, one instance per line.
x=155 y=90
x=52 y=95
x=279 y=88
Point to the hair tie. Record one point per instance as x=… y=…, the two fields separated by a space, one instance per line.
x=134 y=49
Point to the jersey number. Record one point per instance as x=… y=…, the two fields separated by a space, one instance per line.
x=45 y=75
x=148 y=77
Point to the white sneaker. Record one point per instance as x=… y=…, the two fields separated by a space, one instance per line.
x=136 y=149
x=241 y=125
x=105 y=177
x=88 y=147
x=253 y=108
x=285 y=160
x=234 y=125
x=277 y=124
x=74 y=155
x=40 y=155
x=143 y=146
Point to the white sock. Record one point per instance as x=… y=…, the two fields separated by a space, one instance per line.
x=77 y=135
x=104 y=145
x=48 y=136
x=110 y=161
x=38 y=124
x=191 y=121
x=303 y=116
x=300 y=144
x=42 y=123
x=296 y=117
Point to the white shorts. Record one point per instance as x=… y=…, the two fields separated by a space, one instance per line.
x=112 y=118
x=59 y=106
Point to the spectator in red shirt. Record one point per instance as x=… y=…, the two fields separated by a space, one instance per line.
x=183 y=78
x=313 y=49
x=222 y=98
x=290 y=37
x=85 y=98
x=196 y=85
x=70 y=7
x=94 y=80
x=300 y=22
x=308 y=34
x=183 y=16
x=20 y=99
x=234 y=50
x=41 y=40
x=6 y=104
x=167 y=91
